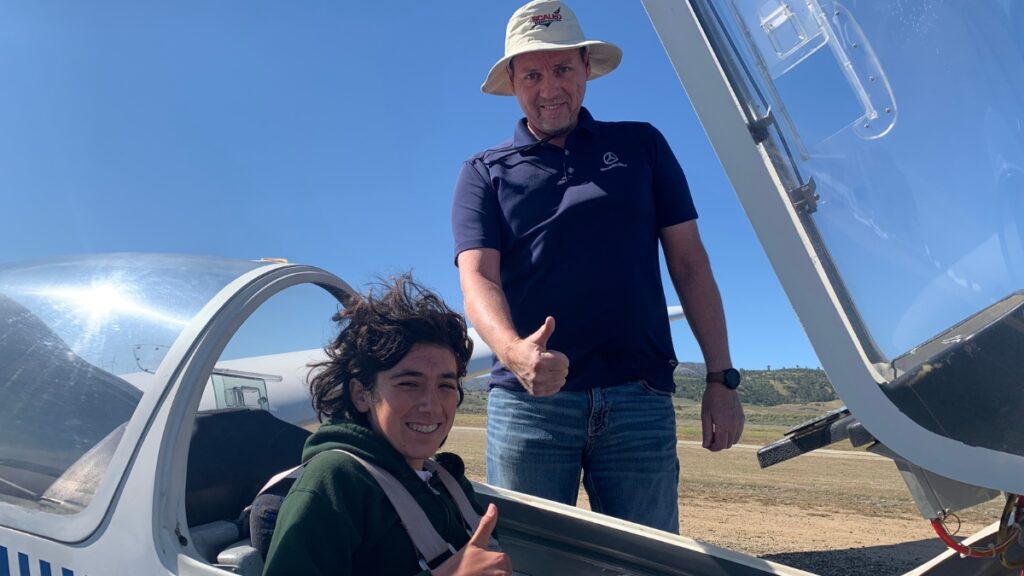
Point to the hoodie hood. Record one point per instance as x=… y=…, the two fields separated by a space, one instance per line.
x=359 y=440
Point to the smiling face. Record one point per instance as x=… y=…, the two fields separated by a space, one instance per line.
x=413 y=403
x=550 y=86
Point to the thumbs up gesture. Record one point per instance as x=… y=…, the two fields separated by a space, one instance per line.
x=541 y=371
x=475 y=559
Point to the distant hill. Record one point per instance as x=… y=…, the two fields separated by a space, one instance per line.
x=478 y=383
x=762 y=387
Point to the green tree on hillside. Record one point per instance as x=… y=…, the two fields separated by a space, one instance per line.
x=762 y=387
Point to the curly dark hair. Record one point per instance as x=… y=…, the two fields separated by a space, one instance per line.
x=375 y=333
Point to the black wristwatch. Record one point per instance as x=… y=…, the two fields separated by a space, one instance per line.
x=730 y=378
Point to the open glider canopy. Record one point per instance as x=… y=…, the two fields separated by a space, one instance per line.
x=878 y=150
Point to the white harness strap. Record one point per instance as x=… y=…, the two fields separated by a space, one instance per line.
x=465 y=508
x=293 y=473
x=424 y=536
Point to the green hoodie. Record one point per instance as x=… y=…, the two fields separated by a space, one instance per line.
x=336 y=520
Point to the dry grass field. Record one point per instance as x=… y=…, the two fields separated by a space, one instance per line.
x=831 y=512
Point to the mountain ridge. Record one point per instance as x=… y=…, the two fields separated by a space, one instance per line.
x=769 y=387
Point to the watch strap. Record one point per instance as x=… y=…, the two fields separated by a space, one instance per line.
x=715 y=377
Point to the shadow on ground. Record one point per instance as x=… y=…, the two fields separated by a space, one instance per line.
x=888 y=560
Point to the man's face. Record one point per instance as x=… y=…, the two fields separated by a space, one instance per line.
x=550 y=86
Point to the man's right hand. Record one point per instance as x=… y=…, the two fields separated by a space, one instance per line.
x=541 y=371
x=475 y=559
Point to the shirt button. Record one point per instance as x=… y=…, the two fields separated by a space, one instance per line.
x=571 y=170
x=566 y=152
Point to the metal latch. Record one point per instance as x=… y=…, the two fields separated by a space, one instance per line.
x=806 y=197
x=759 y=128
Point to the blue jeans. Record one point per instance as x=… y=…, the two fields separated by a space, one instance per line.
x=622 y=439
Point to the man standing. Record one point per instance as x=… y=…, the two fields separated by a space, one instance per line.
x=556 y=240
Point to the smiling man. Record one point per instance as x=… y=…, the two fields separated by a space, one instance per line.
x=562 y=223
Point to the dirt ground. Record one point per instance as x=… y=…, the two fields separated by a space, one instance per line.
x=830 y=512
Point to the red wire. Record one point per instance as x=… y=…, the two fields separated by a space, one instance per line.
x=943 y=534
x=940 y=529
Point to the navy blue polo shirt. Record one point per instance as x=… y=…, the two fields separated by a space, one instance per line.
x=578 y=230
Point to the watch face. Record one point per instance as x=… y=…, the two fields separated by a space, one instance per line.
x=731 y=378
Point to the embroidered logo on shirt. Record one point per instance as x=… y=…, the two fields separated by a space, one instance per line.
x=545 y=20
x=612 y=161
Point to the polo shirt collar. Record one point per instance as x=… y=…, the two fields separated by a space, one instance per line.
x=586 y=122
x=523 y=137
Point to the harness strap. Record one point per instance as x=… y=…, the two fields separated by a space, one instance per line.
x=424 y=536
x=292 y=473
x=465 y=508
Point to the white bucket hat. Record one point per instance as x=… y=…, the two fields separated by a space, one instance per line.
x=547 y=25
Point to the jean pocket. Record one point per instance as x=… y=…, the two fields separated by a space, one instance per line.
x=647 y=388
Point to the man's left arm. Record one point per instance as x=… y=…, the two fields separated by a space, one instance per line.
x=721 y=411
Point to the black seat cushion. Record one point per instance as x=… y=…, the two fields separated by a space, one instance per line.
x=232 y=455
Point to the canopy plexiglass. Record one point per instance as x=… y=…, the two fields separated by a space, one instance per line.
x=83 y=342
x=878 y=149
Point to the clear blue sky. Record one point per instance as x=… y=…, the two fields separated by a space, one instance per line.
x=328 y=133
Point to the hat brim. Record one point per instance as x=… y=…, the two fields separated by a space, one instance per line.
x=604 y=57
